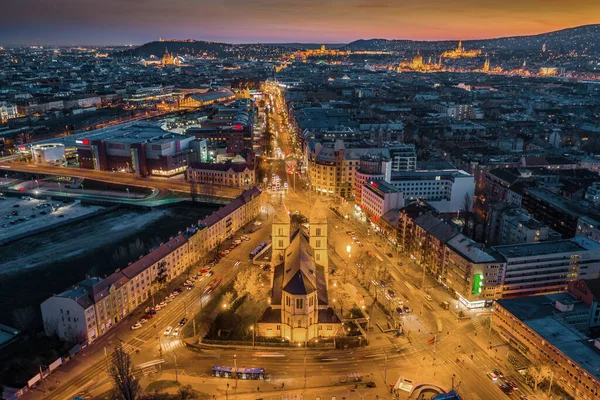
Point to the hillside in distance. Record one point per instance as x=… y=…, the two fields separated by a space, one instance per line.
x=191 y=47
x=581 y=39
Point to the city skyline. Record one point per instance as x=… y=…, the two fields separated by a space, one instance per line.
x=120 y=23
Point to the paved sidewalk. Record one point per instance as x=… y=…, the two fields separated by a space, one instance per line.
x=323 y=387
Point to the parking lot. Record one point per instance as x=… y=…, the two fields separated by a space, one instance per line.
x=20 y=215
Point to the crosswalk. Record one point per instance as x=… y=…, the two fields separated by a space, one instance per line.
x=171 y=344
x=480 y=323
x=129 y=348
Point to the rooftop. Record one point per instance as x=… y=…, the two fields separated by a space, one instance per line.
x=576 y=244
x=540 y=315
x=469 y=249
x=382 y=187
x=429 y=175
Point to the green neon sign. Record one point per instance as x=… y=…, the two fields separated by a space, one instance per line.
x=477 y=283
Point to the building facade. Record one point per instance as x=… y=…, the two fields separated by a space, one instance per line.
x=378 y=198
x=92 y=307
x=235 y=174
x=547 y=329
x=445 y=189
x=511 y=225
x=8 y=111
x=547 y=267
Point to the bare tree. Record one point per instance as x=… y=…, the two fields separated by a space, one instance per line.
x=128 y=253
x=228 y=299
x=248 y=283
x=51 y=326
x=23 y=318
x=127 y=386
x=538 y=373
x=186 y=393
x=468 y=214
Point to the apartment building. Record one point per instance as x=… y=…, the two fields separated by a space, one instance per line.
x=547 y=267
x=403 y=156
x=371 y=168
x=331 y=170
x=379 y=197
x=71 y=315
x=508 y=224
x=443 y=189
x=549 y=329
x=235 y=174
x=93 y=306
x=224 y=222
x=473 y=274
x=429 y=242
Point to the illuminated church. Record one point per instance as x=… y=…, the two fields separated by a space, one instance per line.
x=299 y=308
x=460 y=52
x=169 y=59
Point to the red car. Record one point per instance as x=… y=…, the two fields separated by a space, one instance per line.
x=148 y=316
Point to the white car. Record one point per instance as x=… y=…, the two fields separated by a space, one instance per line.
x=428 y=297
x=142 y=321
x=157 y=307
x=168 y=330
x=492 y=376
x=136 y=326
x=175 y=332
x=163 y=304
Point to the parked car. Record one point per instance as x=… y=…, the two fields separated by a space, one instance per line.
x=506 y=389
x=210 y=273
x=498 y=373
x=168 y=330
x=183 y=321
x=143 y=321
x=163 y=304
x=390 y=255
x=152 y=311
x=157 y=307
x=406 y=309
x=399 y=310
x=428 y=297
x=175 y=332
x=136 y=326
x=391 y=293
x=492 y=376
x=512 y=384
x=148 y=316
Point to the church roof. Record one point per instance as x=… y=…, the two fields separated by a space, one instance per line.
x=299 y=267
x=299 y=284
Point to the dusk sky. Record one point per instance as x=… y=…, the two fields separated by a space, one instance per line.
x=97 y=22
